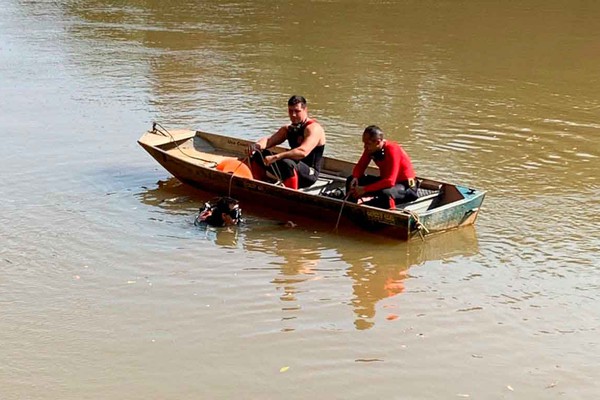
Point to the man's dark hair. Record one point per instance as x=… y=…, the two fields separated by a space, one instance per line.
x=212 y=212
x=374 y=132
x=295 y=99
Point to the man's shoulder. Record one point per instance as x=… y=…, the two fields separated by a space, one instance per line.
x=391 y=144
x=394 y=147
x=398 y=145
x=313 y=125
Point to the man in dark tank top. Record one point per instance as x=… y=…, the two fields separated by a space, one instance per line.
x=298 y=167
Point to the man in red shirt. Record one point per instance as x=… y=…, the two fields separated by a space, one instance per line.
x=396 y=180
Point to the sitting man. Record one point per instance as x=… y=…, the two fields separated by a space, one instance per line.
x=396 y=180
x=298 y=167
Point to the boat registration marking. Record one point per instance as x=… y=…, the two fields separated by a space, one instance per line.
x=380 y=217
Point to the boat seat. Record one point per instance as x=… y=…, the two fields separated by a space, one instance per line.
x=426 y=198
x=426 y=192
x=324 y=183
x=319 y=186
x=327 y=184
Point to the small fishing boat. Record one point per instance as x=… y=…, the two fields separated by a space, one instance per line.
x=197 y=158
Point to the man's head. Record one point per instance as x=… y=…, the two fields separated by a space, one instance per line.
x=297 y=109
x=372 y=139
x=231 y=214
x=222 y=211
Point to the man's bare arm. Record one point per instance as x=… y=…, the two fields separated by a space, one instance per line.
x=277 y=138
x=313 y=136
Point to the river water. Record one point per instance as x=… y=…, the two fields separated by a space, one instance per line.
x=108 y=290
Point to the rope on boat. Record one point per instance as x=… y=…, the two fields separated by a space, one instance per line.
x=164 y=132
x=341 y=209
x=158 y=129
x=418 y=224
x=275 y=168
x=242 y=161
x=246 y=160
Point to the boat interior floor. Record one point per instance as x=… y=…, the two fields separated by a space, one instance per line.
x=335 y=187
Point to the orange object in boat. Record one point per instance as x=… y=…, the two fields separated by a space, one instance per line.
x=236 y=167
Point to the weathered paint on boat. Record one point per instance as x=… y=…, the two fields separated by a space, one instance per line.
x=191 y=156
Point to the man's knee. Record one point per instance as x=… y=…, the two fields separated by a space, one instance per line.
x=282 y=169
x=290 y=164
x=389 y=192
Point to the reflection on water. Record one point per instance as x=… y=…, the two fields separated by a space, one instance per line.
x=381 y=273
x=376 y=267
x=225 y=237
x=171 y=195
x=376 y=271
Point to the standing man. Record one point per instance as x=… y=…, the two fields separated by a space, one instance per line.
x=396 y=180
x=298 y=167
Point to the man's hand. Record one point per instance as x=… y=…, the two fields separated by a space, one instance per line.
x=254 y=147
x=271 y=159
x=354 y=192
x=357 y=191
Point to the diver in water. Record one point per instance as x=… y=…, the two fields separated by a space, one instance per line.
x=221 y=211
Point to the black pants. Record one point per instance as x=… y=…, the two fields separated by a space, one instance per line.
x=385 y=198
x=285 y=168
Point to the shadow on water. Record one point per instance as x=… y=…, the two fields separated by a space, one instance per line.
x=309 y=250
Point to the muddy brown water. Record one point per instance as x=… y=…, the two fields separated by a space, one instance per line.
x=108 y=290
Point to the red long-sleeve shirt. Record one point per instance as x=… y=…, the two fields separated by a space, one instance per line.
x=395 y=167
